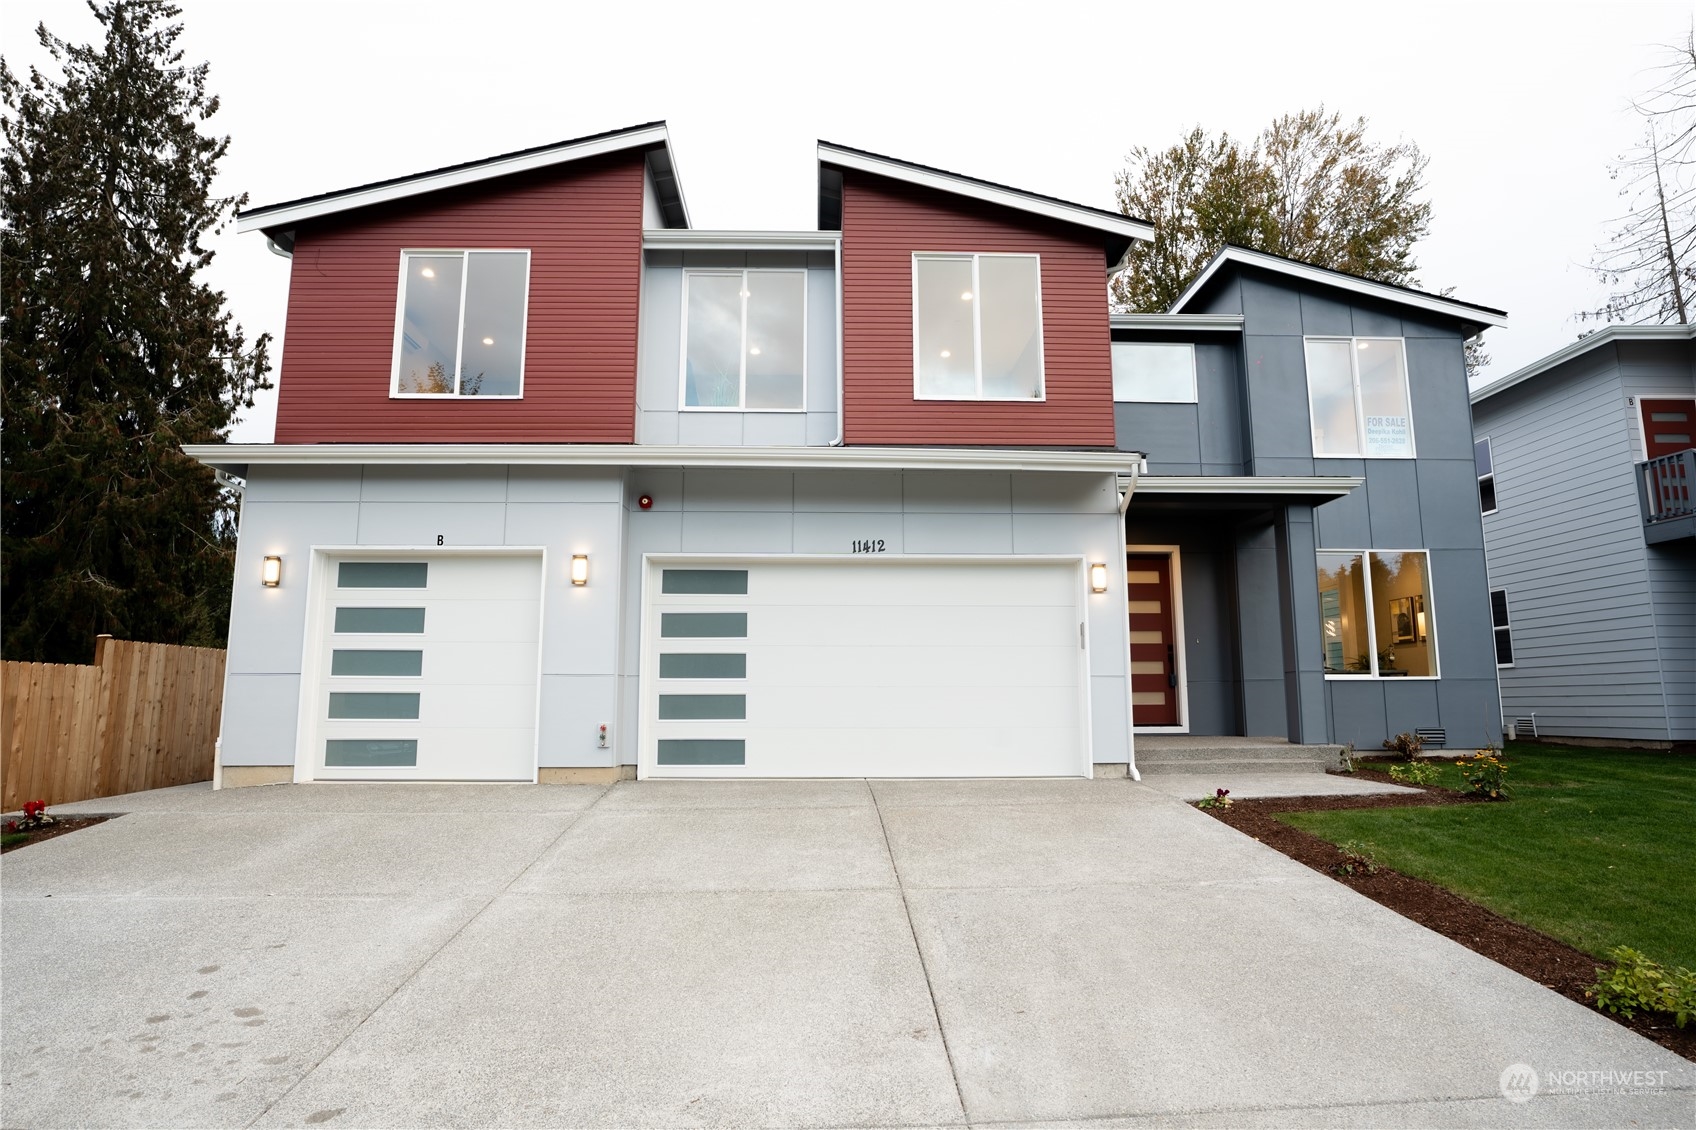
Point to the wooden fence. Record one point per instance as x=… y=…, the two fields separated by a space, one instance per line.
x=144 y=716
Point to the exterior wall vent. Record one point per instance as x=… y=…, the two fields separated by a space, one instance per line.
x=1523 y=727
x=1436 y=738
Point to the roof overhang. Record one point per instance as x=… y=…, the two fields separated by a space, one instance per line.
x=236 y=458
x=278 y=220
x=1178 y=323
x=1476 y=318
x=1605 y=336
x=1118 y=232
x=672 y=239
x=1257 y=486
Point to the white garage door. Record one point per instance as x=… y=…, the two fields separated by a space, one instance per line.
x=426 y=669
x=880 y=668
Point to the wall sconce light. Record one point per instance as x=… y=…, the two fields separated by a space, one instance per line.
x=1098 y=577
x=579 y=568
x=271 y=575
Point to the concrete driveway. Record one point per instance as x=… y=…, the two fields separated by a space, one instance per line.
x=835 y=953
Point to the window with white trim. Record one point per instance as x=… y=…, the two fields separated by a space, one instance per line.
x=460 y=326
x=1375 y=617
x=977 y=326
x=1486 y=465
x=1154 y=372
x=745 y=340
x=1502 y=627
x=1358 y=396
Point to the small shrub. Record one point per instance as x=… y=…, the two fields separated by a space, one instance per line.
x=1407 y=745
x=1347 y=765
x=1485 y=774
x=1359 y=858
x=1636 y=983
x=1221 y=798
x=1413 y=773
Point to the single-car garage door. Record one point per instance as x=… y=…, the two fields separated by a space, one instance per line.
x=857 y=668
x=426 y=668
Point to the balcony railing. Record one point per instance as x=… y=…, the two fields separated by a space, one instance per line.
x=1666 y=487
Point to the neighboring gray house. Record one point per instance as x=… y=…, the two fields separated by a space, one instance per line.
x=1586 y=463
x=1309 y=488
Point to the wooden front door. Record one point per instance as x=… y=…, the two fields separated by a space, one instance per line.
x=1154 y=646
x=1668 y=425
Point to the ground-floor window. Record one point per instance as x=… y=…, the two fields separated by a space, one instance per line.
x=1375 y=615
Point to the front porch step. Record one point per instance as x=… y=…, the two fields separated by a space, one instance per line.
x=1183 y=753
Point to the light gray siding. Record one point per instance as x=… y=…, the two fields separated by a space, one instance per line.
x=659 y=417
x=1566 y=542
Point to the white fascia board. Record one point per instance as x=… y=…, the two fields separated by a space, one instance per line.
x=1331 y=486
x=1230 y=323
x=680 y=239
x=1579 y=348
x=1006 y=197
x=225 y=456
x=283 y=215
x=1460 y=311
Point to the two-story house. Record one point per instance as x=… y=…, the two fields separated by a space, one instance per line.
x=566 y=489
x=1586 y=464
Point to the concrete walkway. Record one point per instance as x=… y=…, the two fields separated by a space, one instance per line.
x=718 y=954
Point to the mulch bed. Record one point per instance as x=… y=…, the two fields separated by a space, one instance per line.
x=1543 y=959
x=60 y=826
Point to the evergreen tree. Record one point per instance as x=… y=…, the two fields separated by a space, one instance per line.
x=114 y=354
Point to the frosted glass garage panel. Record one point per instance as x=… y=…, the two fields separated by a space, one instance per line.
x=382 y=575
x=379 y=621
x=703 y=625
x=702 y=751
x=373 y=704
x=374 y=753
x=689 y=582
x=375 y=663
x=704 y=665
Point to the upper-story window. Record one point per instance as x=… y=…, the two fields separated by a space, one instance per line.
x=1152 y=372
x=1486 y=465
x=1357 y=391
x=461 y=326
x=977 y=327
x=745 y=340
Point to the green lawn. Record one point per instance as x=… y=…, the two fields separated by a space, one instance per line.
x=1596 y=848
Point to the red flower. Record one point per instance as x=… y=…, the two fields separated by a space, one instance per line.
x=34 y=808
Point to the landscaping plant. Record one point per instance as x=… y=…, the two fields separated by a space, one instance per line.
x=1414 y=773
x=1636 y=983
x=1359 y=858
x=1485 y=774
x=35 y=816
x=1221 y=798
x=1406 y=744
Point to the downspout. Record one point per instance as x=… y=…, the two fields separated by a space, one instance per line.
x=841 y=377
x=1130 y=721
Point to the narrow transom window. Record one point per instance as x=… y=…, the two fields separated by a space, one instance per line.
x=460 y=330
x=1154 y=372
x=1375 y=616
x=1357 y=393
x=1503 y=628
x=1486 y=465
x=977 y=327
x=745 y=342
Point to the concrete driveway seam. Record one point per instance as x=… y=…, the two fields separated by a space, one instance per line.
x=431 y=956
x=924 y=966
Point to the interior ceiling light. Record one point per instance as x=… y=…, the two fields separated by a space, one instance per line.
x=428 y=272
x=1363 y=345
x=966 y=296
x=754 y=349
x=945 y=353
x=488 y=341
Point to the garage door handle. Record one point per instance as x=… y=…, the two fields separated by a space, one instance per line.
x=1171 y=668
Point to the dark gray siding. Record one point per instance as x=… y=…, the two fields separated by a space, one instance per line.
x=1204 y=438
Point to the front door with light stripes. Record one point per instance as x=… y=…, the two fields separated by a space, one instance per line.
x=1154 y=654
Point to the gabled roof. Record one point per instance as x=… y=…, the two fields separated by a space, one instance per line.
x=1608 y=335
x=278 y=220
x=1119 y=231
x=1474 y=316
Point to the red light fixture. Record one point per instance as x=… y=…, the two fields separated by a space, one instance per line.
x=646 y=502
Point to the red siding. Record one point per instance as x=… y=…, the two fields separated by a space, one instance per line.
x=883 y=223
x=583 y=226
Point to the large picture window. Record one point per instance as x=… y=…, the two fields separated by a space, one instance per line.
x=977 y=327
x=1375 y=618
x=745 y=340
x=460 y=331
x=1357 y=394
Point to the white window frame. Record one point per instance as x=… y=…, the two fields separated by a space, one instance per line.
x=1372 y=620
x=1491 y=448
x=1495 y=628
x=459 y=361
x=683 y=404
x=1359 y=407
x=1194 y=396
x=977 y=329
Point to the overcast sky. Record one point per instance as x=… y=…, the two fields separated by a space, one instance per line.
x=1519 y=106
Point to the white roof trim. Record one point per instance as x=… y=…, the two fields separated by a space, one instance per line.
x=681 y=239
x=1329 y=485
x=1384 y=293
x=225 y=456
x=964 y=186
x=1229 y=322
x=1605 y=336
x=282 y=215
